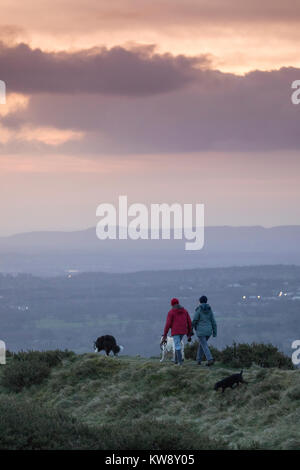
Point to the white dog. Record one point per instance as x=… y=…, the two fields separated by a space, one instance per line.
x=168 y=347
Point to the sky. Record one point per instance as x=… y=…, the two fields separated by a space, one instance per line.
x=163 y=101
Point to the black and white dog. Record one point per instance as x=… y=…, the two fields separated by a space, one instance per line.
x=107 y=343
x=169 y=347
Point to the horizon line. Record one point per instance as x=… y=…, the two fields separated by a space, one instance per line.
x=13 y=234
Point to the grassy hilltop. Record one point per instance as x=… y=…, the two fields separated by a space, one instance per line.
x=90 y=401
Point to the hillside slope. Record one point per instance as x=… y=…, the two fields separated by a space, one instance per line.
x=130 y=393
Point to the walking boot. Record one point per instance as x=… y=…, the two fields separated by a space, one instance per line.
x=176 y=357
x=179 y=357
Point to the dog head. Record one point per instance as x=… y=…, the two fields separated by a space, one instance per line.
x=163 y=343
x=217 y=386
x=117 y=349
x=95 y=347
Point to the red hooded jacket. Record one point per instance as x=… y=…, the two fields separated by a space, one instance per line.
x=179 y=321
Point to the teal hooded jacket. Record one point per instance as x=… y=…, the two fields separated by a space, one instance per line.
x=204 y=321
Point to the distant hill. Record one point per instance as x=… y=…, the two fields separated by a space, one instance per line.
x=52 y=253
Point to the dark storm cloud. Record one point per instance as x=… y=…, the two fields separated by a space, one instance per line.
x=139 y=71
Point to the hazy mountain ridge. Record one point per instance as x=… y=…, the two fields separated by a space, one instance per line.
x=51 y=253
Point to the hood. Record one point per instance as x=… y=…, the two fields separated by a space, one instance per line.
x=178 y=308
x=205 y=308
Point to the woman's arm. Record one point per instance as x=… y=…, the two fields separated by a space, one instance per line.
x=213 y=324
x=196 y=318
x=168 y=324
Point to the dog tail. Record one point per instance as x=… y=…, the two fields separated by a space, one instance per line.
x=241 y=373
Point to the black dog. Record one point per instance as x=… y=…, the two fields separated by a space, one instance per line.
x=230 y=381
x=107 y=343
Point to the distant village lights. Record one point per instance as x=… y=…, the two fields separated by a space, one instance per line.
x=282 y=294
x=259 y=297
x=252 y=297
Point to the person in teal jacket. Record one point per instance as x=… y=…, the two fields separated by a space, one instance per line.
x=205 y=325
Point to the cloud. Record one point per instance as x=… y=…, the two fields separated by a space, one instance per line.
x=14 y=129
x=130 y=14
x=118 y=101
x=240 y=36
x=15 y=102
x=136 y=72
x=11 y=34
x=46 y=135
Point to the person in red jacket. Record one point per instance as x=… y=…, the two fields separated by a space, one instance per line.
x=179 y=321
